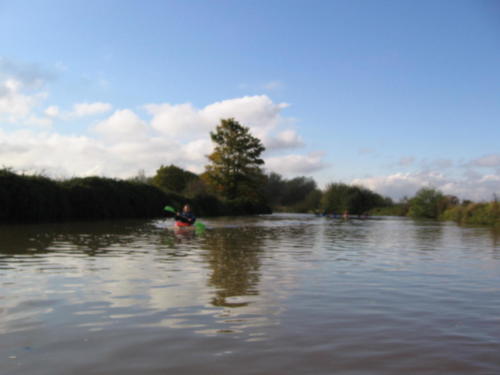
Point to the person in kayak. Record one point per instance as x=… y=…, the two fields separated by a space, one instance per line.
x=185 y=218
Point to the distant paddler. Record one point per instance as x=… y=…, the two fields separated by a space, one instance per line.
x=186 y=218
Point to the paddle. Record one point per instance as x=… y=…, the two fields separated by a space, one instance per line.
x=198 y=225
x=170 y=209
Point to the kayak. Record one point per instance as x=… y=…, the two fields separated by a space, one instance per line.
x=182 y=224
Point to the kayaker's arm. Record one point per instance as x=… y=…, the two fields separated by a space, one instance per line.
x=184 y=219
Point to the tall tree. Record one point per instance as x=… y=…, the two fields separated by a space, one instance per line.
x=235 y=168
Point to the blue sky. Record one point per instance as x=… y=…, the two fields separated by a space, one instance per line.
x=394 y=95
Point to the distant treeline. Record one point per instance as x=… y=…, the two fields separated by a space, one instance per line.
x=430 y=203
x=39 y=198
x=301 y=194
x=298 y=194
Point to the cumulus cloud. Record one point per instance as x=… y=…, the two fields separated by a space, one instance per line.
x=52 y=111
x=296 y=164
x=398 y=185
x=259 y=113
x=42 y=122
x=123 y=142
x=21 y=94
x=68 y=155
x=90 y=109
x=16 y=105
x=32 y=76
x=122 y=125
x=283 y=140
x=492 y=160
x=182 y=120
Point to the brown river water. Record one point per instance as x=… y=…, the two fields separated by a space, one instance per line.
x=277 y=294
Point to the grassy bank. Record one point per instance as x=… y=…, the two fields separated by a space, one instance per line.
x=432 y=204
x=474 y=214
x=38 y=198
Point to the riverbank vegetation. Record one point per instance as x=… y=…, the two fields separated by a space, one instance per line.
x=430 y=203
x=433 y=204
x=233 y=183
x=38 y=198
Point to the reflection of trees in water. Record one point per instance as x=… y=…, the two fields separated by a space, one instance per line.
x=18 y=239
x=233 y=256
x=428 y=234
x=495 y=239
x=92 y=238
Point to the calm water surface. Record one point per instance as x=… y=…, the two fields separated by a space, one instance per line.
x=280 y=294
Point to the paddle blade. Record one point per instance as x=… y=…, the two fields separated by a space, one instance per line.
x=169 y=209
x=199 y=228
x=199 y=225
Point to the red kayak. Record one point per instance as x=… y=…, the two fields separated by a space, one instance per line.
x=182 y=224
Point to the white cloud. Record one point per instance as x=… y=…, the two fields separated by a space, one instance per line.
x=398 y=185
x=124 y=143
x=259 y=113
x=15 y=105
x=42 y=122
x=31 y=76
x=296 y=164
x=182 y=120
x=122 y=125
x=52 y=111
x=90 y=109
x=492 y=160
x=20 y=93
x=283 y=140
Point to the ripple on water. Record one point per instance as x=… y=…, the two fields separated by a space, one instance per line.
x=287 y=294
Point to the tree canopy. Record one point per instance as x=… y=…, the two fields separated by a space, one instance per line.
x=235 y=168
x=173 y=178
x=339 y=197
x=299 y=194
x=426 y=203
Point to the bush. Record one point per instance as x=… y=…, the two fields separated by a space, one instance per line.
x=38 y=198
x=474 y=213
x=425 y=204
x=30 y=198
x=357 y=200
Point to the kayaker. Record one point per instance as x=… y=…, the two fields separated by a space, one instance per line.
x=185 y=218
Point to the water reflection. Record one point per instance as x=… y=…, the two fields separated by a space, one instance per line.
x=233 y=259
x=495 y=238
x=91 y=238
x=428 y=234
x=275 y=294
x=18 y=239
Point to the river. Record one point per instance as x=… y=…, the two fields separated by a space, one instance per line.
x=275 y=294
